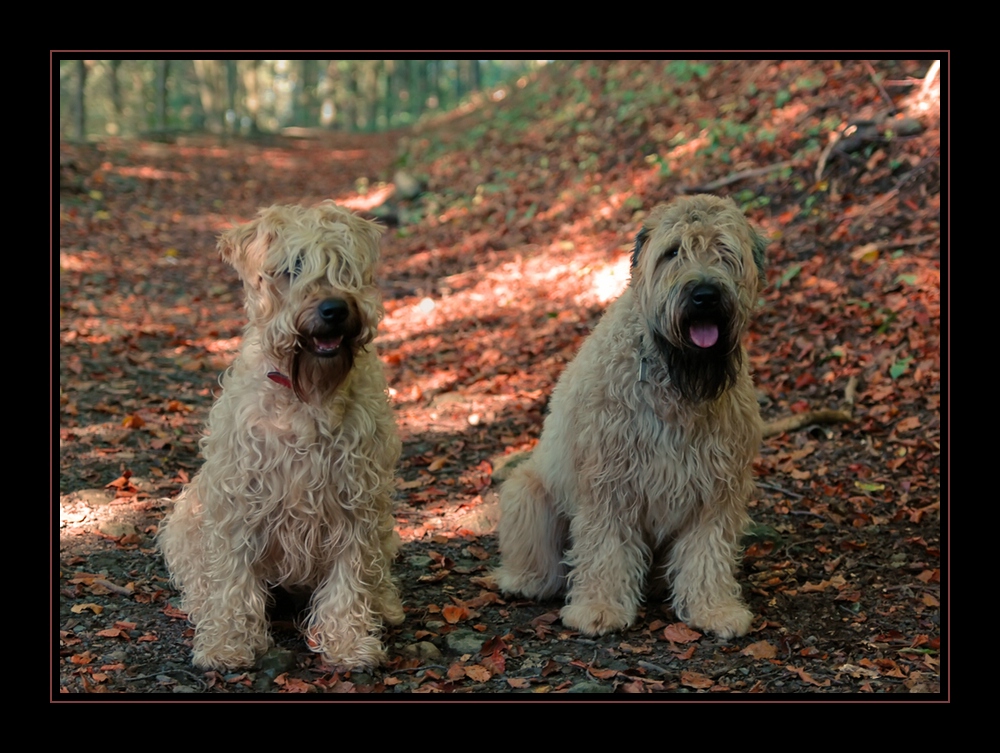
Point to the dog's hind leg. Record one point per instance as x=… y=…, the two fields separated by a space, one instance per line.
x=532 y=537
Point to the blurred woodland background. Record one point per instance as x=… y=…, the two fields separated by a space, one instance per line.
x=254 y=97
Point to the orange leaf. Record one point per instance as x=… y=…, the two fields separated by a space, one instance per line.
x=760 y=650
x=680 y=633
x=133 y=421
x=695 y=680
x=453 y=614
x=478 y=672
x=603 y=674
x=805 y=677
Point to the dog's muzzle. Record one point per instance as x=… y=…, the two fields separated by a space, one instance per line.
x=327 y=337
x=703 y=327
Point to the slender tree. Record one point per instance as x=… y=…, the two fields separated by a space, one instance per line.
x=79 y=107
x=116 y=95
x=162 y=70
x=251 y=98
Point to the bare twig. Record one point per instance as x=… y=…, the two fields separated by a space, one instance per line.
x=776 y=488
x=895 y=190
x=850 y=389
x=874 y=78
x=647 y=665
x=825 y=155
x=918 y=240
x=791 y=423
x=112 y=587
x=932 y=72
x=736 y=177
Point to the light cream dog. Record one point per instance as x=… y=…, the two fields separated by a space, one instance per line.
x=644 y=463
x=296 y=487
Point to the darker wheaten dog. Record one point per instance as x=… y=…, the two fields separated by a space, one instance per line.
x=644 y=464
x=296 y=487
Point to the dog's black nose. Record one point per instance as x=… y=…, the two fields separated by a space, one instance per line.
x=333 y=310
x=705 y=296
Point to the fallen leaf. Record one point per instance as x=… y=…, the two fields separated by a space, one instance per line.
x=760 y=650
x=680 y=633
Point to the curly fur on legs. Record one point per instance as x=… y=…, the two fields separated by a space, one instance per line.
x=645 y=458
x=296 y=488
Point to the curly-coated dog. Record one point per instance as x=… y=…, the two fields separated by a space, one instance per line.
x=296 y=488
x=643 y=469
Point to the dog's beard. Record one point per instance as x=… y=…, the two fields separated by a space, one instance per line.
x=312 y=374
x=324 y=356
x=702 y=355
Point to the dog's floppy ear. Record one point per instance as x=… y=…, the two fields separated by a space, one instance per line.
x=237 y=245
x=759 y=247
x=369 y=235
x=640 y=239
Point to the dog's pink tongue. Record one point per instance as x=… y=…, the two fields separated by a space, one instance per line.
x=704 y=335
x=323 y=345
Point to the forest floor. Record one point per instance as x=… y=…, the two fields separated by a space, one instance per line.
x=492 y=277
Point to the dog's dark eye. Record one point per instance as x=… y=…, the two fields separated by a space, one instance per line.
x=671 y=252
x=296 y=269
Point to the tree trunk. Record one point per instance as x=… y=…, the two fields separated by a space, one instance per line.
x=329 y=98
x=351 y=98
x=251 y=97
x=162 y=69
x=232 y=84
x=79 y=110
x=476 y=75
x=388 y=90
x=205 y=74
x=116 y=97
x=304 y=104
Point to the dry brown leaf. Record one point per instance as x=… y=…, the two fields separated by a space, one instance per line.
x=453 y=614
x=760 y=650
x=478 y=672
x=695 y=680
x=680 y=633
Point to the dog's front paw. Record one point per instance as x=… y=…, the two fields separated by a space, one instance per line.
x=596 y=619
x=525 y=584
x=392 y=610
x=223 y=659
x=726 y=622
x=366 y=653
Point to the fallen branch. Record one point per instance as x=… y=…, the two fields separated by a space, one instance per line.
x=791 y=423
x=851 y=389
x=781 y=489
x=929 y=77
x=736 y=177
x=874 y=77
